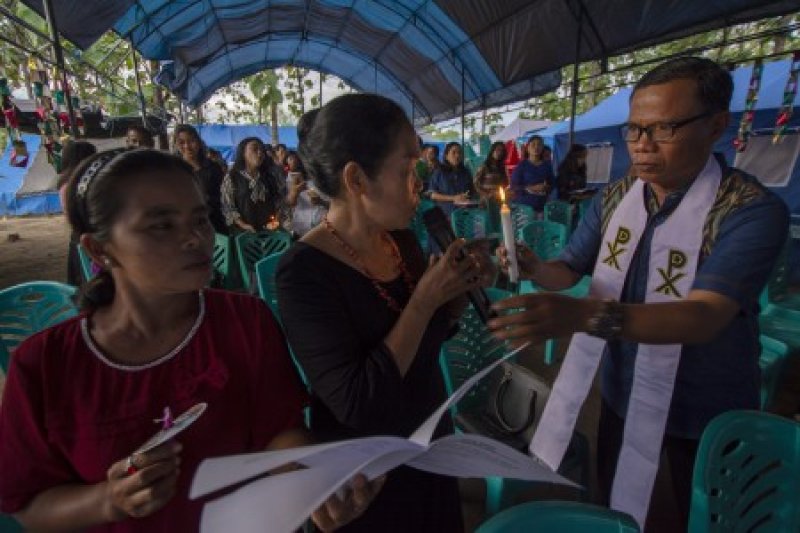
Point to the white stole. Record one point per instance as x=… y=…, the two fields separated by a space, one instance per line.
x=674 y=253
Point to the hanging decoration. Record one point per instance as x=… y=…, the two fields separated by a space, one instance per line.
x=789 y=94
x=746 y=124
x=19 y=154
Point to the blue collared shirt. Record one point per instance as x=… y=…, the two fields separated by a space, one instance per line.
x=749 y=228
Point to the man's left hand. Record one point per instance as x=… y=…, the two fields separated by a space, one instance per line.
x=337 y=512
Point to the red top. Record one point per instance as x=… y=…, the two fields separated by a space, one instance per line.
x=68 y=412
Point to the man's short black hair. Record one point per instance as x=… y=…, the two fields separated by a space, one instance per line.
x=714 y=83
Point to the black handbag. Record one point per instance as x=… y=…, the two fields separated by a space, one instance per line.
x=508 y=408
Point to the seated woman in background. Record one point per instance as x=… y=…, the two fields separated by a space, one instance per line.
x=138 y=136
x=81 y=396
x=492 y=173
x=308 y=208
x=451 y=182
x=363 y=315
x=490 y=176
x=427 y=164
x=192 y=149
x=572 y=172
x=73 y=154
x=533 y=178
x=252 y=195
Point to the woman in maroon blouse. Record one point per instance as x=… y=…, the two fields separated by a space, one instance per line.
x=82 y=395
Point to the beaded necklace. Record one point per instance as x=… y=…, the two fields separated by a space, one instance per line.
x=391 y=302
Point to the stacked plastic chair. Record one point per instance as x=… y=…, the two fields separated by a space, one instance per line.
x=561 y=212
x=222 y=261
x=563 y=517
x=747 y=475
x=265 y=278
x=250 y=247
x=461 y=357
x=547 y=239
x=31 y=307
x=771 y=362
x=470 y=223
x=86 y=263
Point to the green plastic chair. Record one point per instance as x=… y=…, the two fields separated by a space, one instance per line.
x=544 y=237
x=9 y=525
x=521 y=216
x=86 y=263
x=31 y=307
x=561 y=212
x=781 y=323
x=778 y=285
x=466 y=353
x=583 y=207
x=747 y=475
x=222 y=260
x=265 y=277
x=470 y=223
x=772 y=361
x=417 y=224
x=250 y=247
x=561 y=517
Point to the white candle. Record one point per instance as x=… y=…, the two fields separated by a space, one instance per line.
x=508 y=239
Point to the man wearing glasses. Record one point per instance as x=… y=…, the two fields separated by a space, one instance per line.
x=678 y=252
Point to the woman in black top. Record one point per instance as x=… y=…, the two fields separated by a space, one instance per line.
x=572 y=172
x=252 y=195
x=191 y=148
x=363 y=315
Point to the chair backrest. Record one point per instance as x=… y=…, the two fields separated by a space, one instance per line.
x=772 y=359
x=222 y=259
x=31 y=307
x=265 y=277
x=747 y=474
x=470 y=350
x=545 y=238
x=559 y=211
x=86 y=264
x=778 y=284
x=564 y=517
x=521 y=216
x=583 y=206
x=250 y=247
x=470 y=223
x=417 y=224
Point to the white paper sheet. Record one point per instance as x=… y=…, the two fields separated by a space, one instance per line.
x=281 y=503
x=471 y=455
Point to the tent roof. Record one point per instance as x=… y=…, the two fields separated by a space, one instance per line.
x=413 y=51
x=518 y=127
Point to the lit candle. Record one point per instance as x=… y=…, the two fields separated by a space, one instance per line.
x=508 y=238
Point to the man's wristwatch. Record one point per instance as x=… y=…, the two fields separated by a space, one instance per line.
x=607 y=322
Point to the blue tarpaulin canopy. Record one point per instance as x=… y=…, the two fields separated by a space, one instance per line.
x=226 y=137
x=425 y=54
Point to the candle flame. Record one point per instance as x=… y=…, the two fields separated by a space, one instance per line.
x=502 y=194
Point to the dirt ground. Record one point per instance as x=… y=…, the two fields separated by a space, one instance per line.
x=39 y=254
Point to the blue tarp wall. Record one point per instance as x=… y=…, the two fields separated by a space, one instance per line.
x=11 y=179
x=226 y=137
x=601 y=125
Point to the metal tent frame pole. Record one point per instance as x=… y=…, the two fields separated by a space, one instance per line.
x=463 y=117
x=59 y=53
x=140 y=94
x=575 y=79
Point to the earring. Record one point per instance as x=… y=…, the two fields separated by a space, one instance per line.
x=107 y=262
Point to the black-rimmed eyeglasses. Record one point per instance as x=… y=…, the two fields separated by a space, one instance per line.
x=658 y=132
